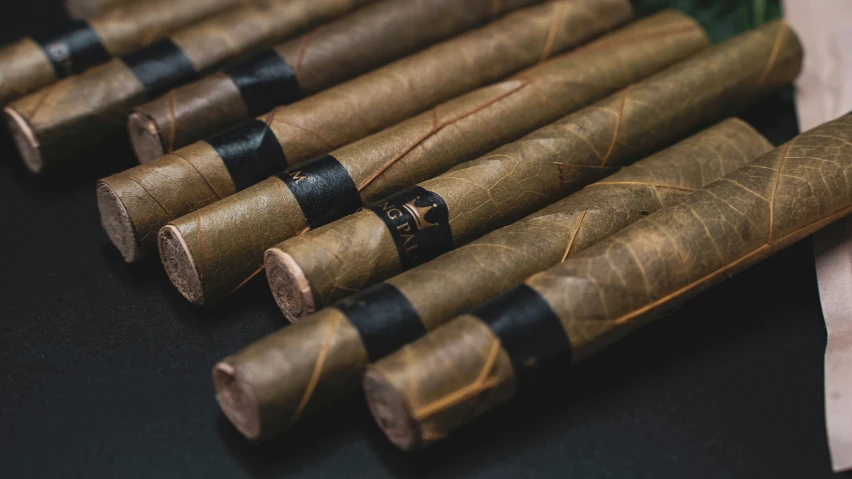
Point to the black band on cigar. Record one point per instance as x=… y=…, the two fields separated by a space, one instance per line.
x=75 y=49
x=384 y=318
x=526 y=325
x=324 y=190
x=250 y=151
x=265 y=81
x=160 y=67
x=419 y=222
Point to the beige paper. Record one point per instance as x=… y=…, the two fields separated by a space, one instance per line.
x=824 y=92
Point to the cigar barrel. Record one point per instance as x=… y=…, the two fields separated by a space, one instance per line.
x=402 y=309
x=370 y=102
x=623 y=282
x=64 y=122
x=472 y=199
x=33 y=63
x=90 y=8
x=324 y=57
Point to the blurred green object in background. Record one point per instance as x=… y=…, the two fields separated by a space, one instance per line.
x=721 y=18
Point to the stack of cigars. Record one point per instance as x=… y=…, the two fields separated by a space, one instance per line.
x=443 y=194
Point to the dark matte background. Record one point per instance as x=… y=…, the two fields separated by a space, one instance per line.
x=105 y=369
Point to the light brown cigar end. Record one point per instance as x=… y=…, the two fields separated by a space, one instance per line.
x=145 y=137
x=25 y=140
x=390 y=411
x=290 y=288
x=237 y=400
x=179 y=265
x=116 y=221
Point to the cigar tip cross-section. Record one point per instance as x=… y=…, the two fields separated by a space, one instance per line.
x=144 y=137
x=290 y=287
x=25 y=140
x=179 y=264
x=116 y=222
x=390 y=411
x=237 y=400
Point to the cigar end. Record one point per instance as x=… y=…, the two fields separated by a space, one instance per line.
x=290 y=287
x=390 y=411
x=25 y=140
x=237 y=400
x=145 y=137
x=117 y=224
x=179 y=264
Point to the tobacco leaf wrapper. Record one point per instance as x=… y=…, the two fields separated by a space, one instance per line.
x=417 y=149
x=211 y=252
x=603 y=293
x=90 y=8
x=82 y=114
x=322 y=358
x=422 y=222
x=35 y=62
x=333 y=53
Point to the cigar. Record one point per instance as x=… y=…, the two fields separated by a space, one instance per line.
x=465 y=368
x=80 y=9
x=420 y=223
x=331 y=54
x=379 y=320
x=38 y=61
x=212 y=251
x=82 y=114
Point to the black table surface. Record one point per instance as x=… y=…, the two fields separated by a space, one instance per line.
x=105 y=369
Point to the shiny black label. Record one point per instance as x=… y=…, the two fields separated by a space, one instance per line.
x=384 y=318
x=160 y=67
x=250 y=151
x=265 y=81
x=418 y=220
x=74 y=50
x=324 y=190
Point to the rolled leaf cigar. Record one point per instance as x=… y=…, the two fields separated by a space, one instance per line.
x=90 y=8
x=415 y=149
x=38 y=61
x=420 y=223
x=82 y=114
x=211 y=252
x=357 y=43
x=468 y=366
x=379 y=320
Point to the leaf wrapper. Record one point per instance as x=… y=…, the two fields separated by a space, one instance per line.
x=27 y=65
x=80 y=9
x=208 y=271
x=82 y=114
x=623 y=282
x=414 y=149
x=322 y=358
x=331 y=54
x=517 y=179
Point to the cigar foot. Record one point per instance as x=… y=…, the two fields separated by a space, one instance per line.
x=145 y=137
x=116 y=221
x=25 y=140
x=290 y=287
x=179 y=265
x=237 y=400
x=390 y=411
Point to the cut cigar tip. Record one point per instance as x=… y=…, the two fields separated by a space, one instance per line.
x=145 y=137
x=179 y=265
x=25 y=139
x=290 y=288
x=117 y=224
x=390 y=411
x=237 y=400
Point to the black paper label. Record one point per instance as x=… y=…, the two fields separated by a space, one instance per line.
x=74 y=50
x=250 y=151
x=160 y=67
x=324 y=190
x=418 y=220
x=384 y=318
x=265 y=81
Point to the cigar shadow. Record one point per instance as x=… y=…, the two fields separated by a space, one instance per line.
x=554 y=401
